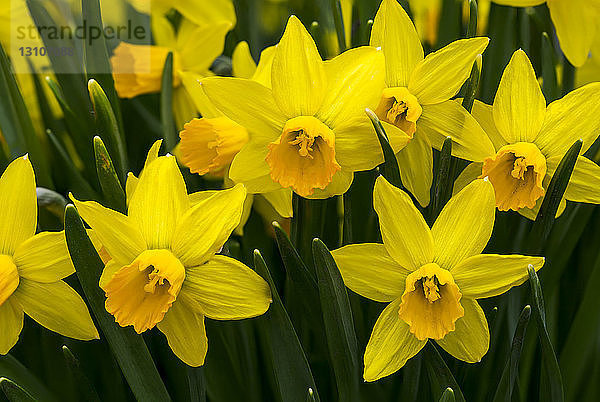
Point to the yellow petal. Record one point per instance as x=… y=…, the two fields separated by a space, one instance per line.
x=262 y=74
x=441 y=74
x=192 y=84
x=298 y=76
x=110 y=269
x=584 y=184
x=469 y=174
x=458 y=235
x=18 y=203
x=226 y=289
x=576 y=24
x=11 y=316
x=487 y=275
x=390 y=346
x=416 y=167
x=56 y=307
x=162 y=31
x=281 y=201
x=242 y=61
x=520 y=3
x=571 y=118
x=395 y=34
x=203 y=230
x=201 y=12
x=450 y=119
x=405 y=233
x=370 y=271
x=250 y=163
x=355 y=80
x=470 y=340
x=340 y=183
x=160 y=199
x=484 y=114
x=185 y=334
x=116 y=232
x=519 y=105
x=357 y=147
x=44 y=258
x=184 y=108
x=199 y=46
x=9 y=277
x=248 y=103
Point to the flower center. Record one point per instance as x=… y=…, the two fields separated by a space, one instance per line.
x=137 y=69
x=517 y=172
x=141 y=293
x=431 y=302
x=303 y=157
x=210 y=144
x=400 y=108
x=9 y=277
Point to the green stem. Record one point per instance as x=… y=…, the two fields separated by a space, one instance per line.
x=568 y=77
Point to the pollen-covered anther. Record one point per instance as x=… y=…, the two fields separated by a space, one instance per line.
x=303 y=157
x=517 y=172
x=141 y=293
x=400 y=108
x=431 y=302
x=9 y=277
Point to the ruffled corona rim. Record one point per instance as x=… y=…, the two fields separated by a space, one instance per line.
x=400 y=108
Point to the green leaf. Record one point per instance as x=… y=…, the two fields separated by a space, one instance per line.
x=582 y=336
x=336 y=9
x=97 y=62
x=86 y=390
x=302 y=278
x=439 y=374
x=166 y=104
x=16 y=125
x=12 y=369
x=197 y=383
x=549 y=79
x=442 y=185
x=13 y=392
x=472 y=27
x=338 y=322
x=389 y=169
x=107 y=127
x=128 y=347
x=290 y=366
x=114 y=196
x=51 y=201
x=551 y=388
x=448 y=395
x=509 y=374
x=556 y=189
x=472 y=85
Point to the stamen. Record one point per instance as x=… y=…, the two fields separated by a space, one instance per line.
x=520 y=167
x=305 y=142
x=397 y=110
x=431 y=289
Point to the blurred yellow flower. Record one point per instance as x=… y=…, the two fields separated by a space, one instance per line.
x=431 y=278
x=198 y=11
x=33 y=266
x=137 y=69
x=164 y=270
x=417 y=97
x=530 y=140
x=575 y=21
x=309 y=132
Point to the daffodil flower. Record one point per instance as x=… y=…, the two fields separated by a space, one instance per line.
x=33 y=266
x=575 y=21
x=137 y=69
x=531 y=138
x=200 y=12
x=431 y=278
x=417 y=96
x=308 y=132
x=164 y=270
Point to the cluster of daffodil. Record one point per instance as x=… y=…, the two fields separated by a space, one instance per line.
x=296 y=127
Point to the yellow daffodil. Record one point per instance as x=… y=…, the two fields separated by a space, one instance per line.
x=33 y=266
x=590 y=71
x=138 y=69
x=575 y=21
x=163 y=269
x=530 y=139
x=308 y=132
x=431 y=278
x=417 y=96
